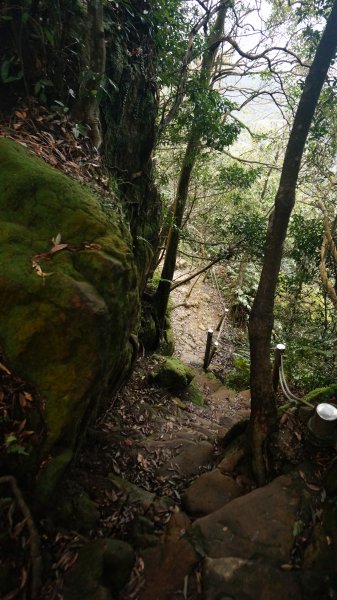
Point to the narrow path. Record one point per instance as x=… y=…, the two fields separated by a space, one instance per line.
x=173 y=481
x=197 y=307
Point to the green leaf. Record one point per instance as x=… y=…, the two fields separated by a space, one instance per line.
x=298 y=528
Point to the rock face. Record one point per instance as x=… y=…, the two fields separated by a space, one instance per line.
x=166 y=568
x=258 y=524
x=68 y=306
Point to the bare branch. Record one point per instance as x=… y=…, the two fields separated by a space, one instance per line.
x=264 y=53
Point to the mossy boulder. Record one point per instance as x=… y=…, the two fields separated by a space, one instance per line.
x=102 y=569
x=171 y=373
x=72 y=508
x=193 y=394
x=68 y=292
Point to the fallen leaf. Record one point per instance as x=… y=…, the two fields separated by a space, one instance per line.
x=3 y=368
x=19 y=527
x=284 y=418
x=22 y=424
x=313 y=487
x=57 y=248
x=66 y=561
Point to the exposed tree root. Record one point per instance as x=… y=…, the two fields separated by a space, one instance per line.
x=34 y=538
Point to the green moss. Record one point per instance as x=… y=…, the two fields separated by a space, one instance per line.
x=73 y=508
x=102 y=565
x=167 y=343
x=66 y=333
x=324 y=394
x=50 y=476
x=171 y=373
x=193 y=394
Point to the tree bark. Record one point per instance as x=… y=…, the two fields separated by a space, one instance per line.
x=94 y=58
x=263 y=405
x=191 y=152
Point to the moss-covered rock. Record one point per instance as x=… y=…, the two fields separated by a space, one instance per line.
x=68 y=306
x=102 y=569
x=171 y=373
x=72 y=508
x=193 y=394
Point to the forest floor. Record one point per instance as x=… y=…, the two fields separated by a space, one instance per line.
x=172 y=480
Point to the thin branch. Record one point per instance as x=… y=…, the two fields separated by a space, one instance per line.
x=166 y=120
x=252 y=162
x=34 y=538
x=264 y=53
x=214 y=262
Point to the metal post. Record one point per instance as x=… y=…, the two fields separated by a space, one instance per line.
x=279 y=349
x=208 y=348
x=322 y=425
x=221 y=322
x=212 y=352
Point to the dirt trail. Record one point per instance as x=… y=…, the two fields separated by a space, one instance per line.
x=172 y=479
x=193 y=313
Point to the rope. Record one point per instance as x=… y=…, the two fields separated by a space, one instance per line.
x=285 y=388
x=223 y=305
x=217 y=288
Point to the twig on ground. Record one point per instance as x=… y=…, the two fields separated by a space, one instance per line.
x=34 y=539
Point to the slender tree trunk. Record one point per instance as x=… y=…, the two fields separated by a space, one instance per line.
x=264 y=414
x=191 y=153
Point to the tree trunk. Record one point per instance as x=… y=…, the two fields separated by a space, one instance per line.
x=94 y=57
x=191 y=153
x=263 y=406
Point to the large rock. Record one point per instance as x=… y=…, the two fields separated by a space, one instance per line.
x=102 y=569
x=189 y=461
x=240 y=579
x=171 y=373
x=210 y=492
x=166 y=568
x=66 y=311
x=258 y=524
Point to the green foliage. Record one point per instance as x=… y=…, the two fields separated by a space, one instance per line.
x=11 y=70
x=235 y=175
x=311 y=359
x=306 y=234
x=207 y=112
x=171 y=22
x=248 y=227
x=13 y=446
x=238 y=377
